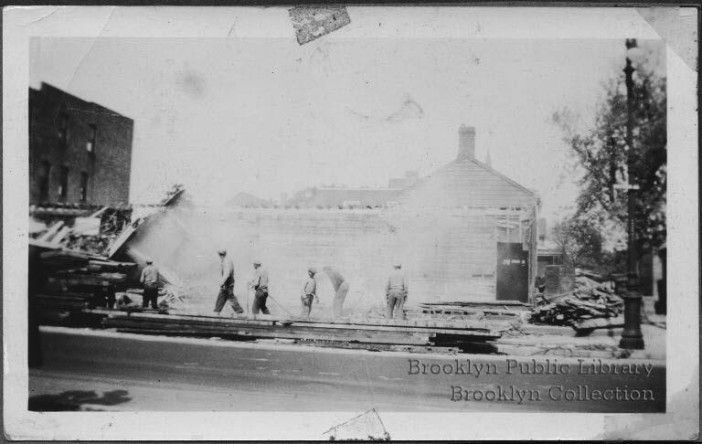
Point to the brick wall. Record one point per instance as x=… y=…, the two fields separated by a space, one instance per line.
x=108 y=167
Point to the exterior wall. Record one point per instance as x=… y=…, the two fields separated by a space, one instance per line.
x=448 y=257
x=108 y=169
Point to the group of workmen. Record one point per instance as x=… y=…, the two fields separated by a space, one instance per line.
x=226 y=286
x=396 y=289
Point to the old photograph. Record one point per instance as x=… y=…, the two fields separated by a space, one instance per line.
x=355 y=211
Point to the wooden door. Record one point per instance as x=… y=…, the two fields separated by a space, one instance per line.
x=512 y=272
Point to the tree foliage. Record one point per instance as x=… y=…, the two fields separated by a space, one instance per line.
x=580 y=241
x=602 y=153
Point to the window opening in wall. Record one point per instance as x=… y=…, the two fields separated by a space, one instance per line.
x=83 y=186
x=63 y=130
x=90 y=145
x=63 y=183
x=44 y=178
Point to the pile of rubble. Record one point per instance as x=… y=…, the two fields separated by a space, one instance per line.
x=589 y=299
x=96 y=244
x=83 y=264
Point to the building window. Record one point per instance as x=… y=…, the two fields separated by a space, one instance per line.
x=44 y=177
x=90 y=145
x=83 y=186
x=63 y=129
x=63 y=183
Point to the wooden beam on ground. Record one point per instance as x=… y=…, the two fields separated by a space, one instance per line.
x=587 y=326
x=287 y=329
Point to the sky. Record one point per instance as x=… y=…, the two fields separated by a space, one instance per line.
x=268 y=116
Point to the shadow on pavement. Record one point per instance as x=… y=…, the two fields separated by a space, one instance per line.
x=72 y=400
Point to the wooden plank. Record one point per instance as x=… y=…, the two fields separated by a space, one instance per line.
x=212 y=320
x=125 y=235
x=61 y=235
x=242 y=334
x=511 y=304
x=53 y=229
x=270 y=333
x=588 y=325
x=166 y=324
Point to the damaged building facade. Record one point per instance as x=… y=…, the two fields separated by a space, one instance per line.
x=79 y=152
x=464 y=233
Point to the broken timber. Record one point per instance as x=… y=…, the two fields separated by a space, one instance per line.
x=586 y=326
x=493 y=310
x=237 y=328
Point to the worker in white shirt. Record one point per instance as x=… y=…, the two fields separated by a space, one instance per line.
x=150 y=280
x=396 y=292
x=226 y=284
x=309 y=291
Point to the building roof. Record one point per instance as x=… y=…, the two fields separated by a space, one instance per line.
x=247 y=200
x=467 y=182
x=333 y=197
x=95 y=107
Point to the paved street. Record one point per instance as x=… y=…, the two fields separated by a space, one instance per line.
x=98 y=370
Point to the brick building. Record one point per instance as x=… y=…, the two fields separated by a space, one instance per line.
x=79 y=152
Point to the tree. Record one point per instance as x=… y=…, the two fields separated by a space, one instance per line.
x=580 y=241
x=602 y=153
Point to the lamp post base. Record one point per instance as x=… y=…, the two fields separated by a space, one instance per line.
x=632 y=342
x=631 y=336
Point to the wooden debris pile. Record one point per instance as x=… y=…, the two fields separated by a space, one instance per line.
x=589 y=299
x=91 y=234
x=97 y=244
x=77 y=279
x=74 y=263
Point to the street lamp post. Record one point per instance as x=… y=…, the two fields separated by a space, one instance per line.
x=631 y=336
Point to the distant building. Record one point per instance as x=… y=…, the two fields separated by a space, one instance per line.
x=411 y=177
x=79 y=152
x=247 y=200
x=342 y=197
x=348 y=197
x=463 y=233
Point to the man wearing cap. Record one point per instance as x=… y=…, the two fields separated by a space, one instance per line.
x=226 y=284
x=149 y=280
x=396 y=292
x=309 y=291
x=260 y=284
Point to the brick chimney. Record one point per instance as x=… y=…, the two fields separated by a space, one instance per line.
x=466 y=142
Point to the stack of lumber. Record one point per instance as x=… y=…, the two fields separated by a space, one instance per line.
x=589 y=299
x=76 y=279
x=269 y=328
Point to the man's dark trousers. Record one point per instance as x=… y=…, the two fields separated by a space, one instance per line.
x=226 y=293
x=259 y=303
x=150 y=295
